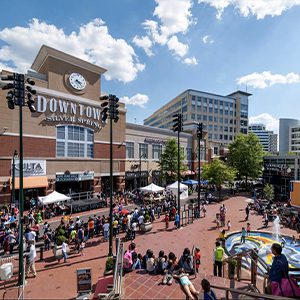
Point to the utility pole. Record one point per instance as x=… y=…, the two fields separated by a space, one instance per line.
x=199 y=136
x=178 y=126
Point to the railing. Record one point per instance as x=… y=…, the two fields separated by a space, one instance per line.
x=118 y=272
x=82 y=196
x=235 y=293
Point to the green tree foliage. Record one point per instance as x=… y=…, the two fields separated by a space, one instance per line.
x=168 y=162
x=269 y=192
x=217 y=173
x=246 y=156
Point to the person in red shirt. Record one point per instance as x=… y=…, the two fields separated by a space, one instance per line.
x=197 y=257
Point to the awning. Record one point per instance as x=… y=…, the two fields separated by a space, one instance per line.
x=31 y=182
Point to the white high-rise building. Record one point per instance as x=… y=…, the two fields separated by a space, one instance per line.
x=267 y=138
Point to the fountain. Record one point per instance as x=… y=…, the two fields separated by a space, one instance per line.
x=276 y=229
x=262 y=241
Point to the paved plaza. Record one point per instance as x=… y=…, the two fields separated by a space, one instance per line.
x=58 y=280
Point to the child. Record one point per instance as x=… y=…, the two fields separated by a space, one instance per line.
x=243 y=236
x=197 y=257
x=167 y=221
x=81 y=248
x=218 y=220
x=186 y=284
x=228 y=225
x=208 y=293
x=248 y=229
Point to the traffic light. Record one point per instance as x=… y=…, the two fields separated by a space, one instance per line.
x=200 y=130
x=104 y=111
x=10 y=98
x=114 y=108
x=30 y=92
x=177 y=122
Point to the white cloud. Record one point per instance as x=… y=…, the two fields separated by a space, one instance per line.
x=267 y=79
x=258 y=8
x=271 y=122
x=138 y=99
x=177 y=47
x=173 y=17
x=92 y=43
x=190 y=61
x=145 y=43
x=207 y=40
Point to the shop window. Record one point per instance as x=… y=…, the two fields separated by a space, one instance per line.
x=74 y=141
x=156 y=151
x=129 y=150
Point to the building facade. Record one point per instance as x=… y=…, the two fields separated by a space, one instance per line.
x=280 y=171
x=66 y=144
x=285 y=134
x=294 y=141
x=223 y=116
x=267 y=138
x=144 y=146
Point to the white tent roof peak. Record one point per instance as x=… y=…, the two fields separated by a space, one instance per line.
x=53 y=198
x=152 y=188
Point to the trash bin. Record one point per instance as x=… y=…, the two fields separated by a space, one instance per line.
x=6 y=271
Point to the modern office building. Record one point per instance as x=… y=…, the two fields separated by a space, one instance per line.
x=280 y=171
x=224 y=116
x=294 y=143
x=285 y=135
x=66 y=144
x=267 y=138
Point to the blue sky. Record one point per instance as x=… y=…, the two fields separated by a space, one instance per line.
x=156 y=49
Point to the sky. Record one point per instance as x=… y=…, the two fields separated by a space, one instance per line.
x=156 y=49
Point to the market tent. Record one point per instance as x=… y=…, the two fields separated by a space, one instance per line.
x=53 y=198
x=183 y=189
x=190 y=182
x=152 y=188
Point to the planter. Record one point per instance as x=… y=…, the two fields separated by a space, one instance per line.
x=145 y=227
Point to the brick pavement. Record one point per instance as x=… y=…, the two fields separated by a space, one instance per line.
x=58 y=281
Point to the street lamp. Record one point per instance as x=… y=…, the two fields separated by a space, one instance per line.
x=17 y=94
x=143 y=155
x=110 y=109
x=13 y=191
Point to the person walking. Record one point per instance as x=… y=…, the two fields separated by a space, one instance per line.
x=30 y=259
x=247 y=211
x=243 y=236
x=218 y=256
x=64 y=249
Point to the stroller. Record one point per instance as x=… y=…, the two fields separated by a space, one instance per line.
x=129 y=235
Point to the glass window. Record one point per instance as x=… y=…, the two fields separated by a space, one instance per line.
x=221 y=136
x=216 y=101
x=204 y=109
x=216 y=136
x=221 y=120
x=221 y=111
x=221 y=102
x=210 y=101
x=225 y=137
x=204 y=118
x=156 y=151
x=143 y=150
x=193 y=97
x=215 y=119
x=215 y=127
x=209 y=136
x=184 y=108
x=193 y=116
x=199 y=117
x=210 y=110
x=210 y=127
x=210 y=118
x=74 y=141
x=129 y=150
x=216 y=110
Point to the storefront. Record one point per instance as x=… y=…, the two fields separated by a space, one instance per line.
x=66 y=132
x=136 y=179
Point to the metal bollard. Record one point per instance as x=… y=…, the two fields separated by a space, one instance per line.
x=41 y=253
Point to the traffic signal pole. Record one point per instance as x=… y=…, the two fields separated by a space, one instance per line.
x=199 y=136
x=178 y=178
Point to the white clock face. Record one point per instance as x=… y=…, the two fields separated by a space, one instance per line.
x=77 y=81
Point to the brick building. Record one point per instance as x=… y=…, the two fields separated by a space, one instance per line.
x=66 y=145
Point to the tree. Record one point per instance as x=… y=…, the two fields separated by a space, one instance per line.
x=168 y=161
x=269 y=192
x=218 y=173
x=246 y=156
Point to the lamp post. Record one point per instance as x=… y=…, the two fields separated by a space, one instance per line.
x=13 y=191
x=199 y=136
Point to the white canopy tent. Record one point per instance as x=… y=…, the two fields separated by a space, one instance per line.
x=184 y=190
x=53 y=198
x=152 y=188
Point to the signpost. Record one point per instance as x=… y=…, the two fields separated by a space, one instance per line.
x=84 y=280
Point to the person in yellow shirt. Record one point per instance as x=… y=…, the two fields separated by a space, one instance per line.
x=115 y=225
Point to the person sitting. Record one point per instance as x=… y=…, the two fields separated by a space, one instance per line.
x=186 y=284
x=186 y=262
x=170 y=268
x=150 y=263
x=160 y=263
x=208 y=293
